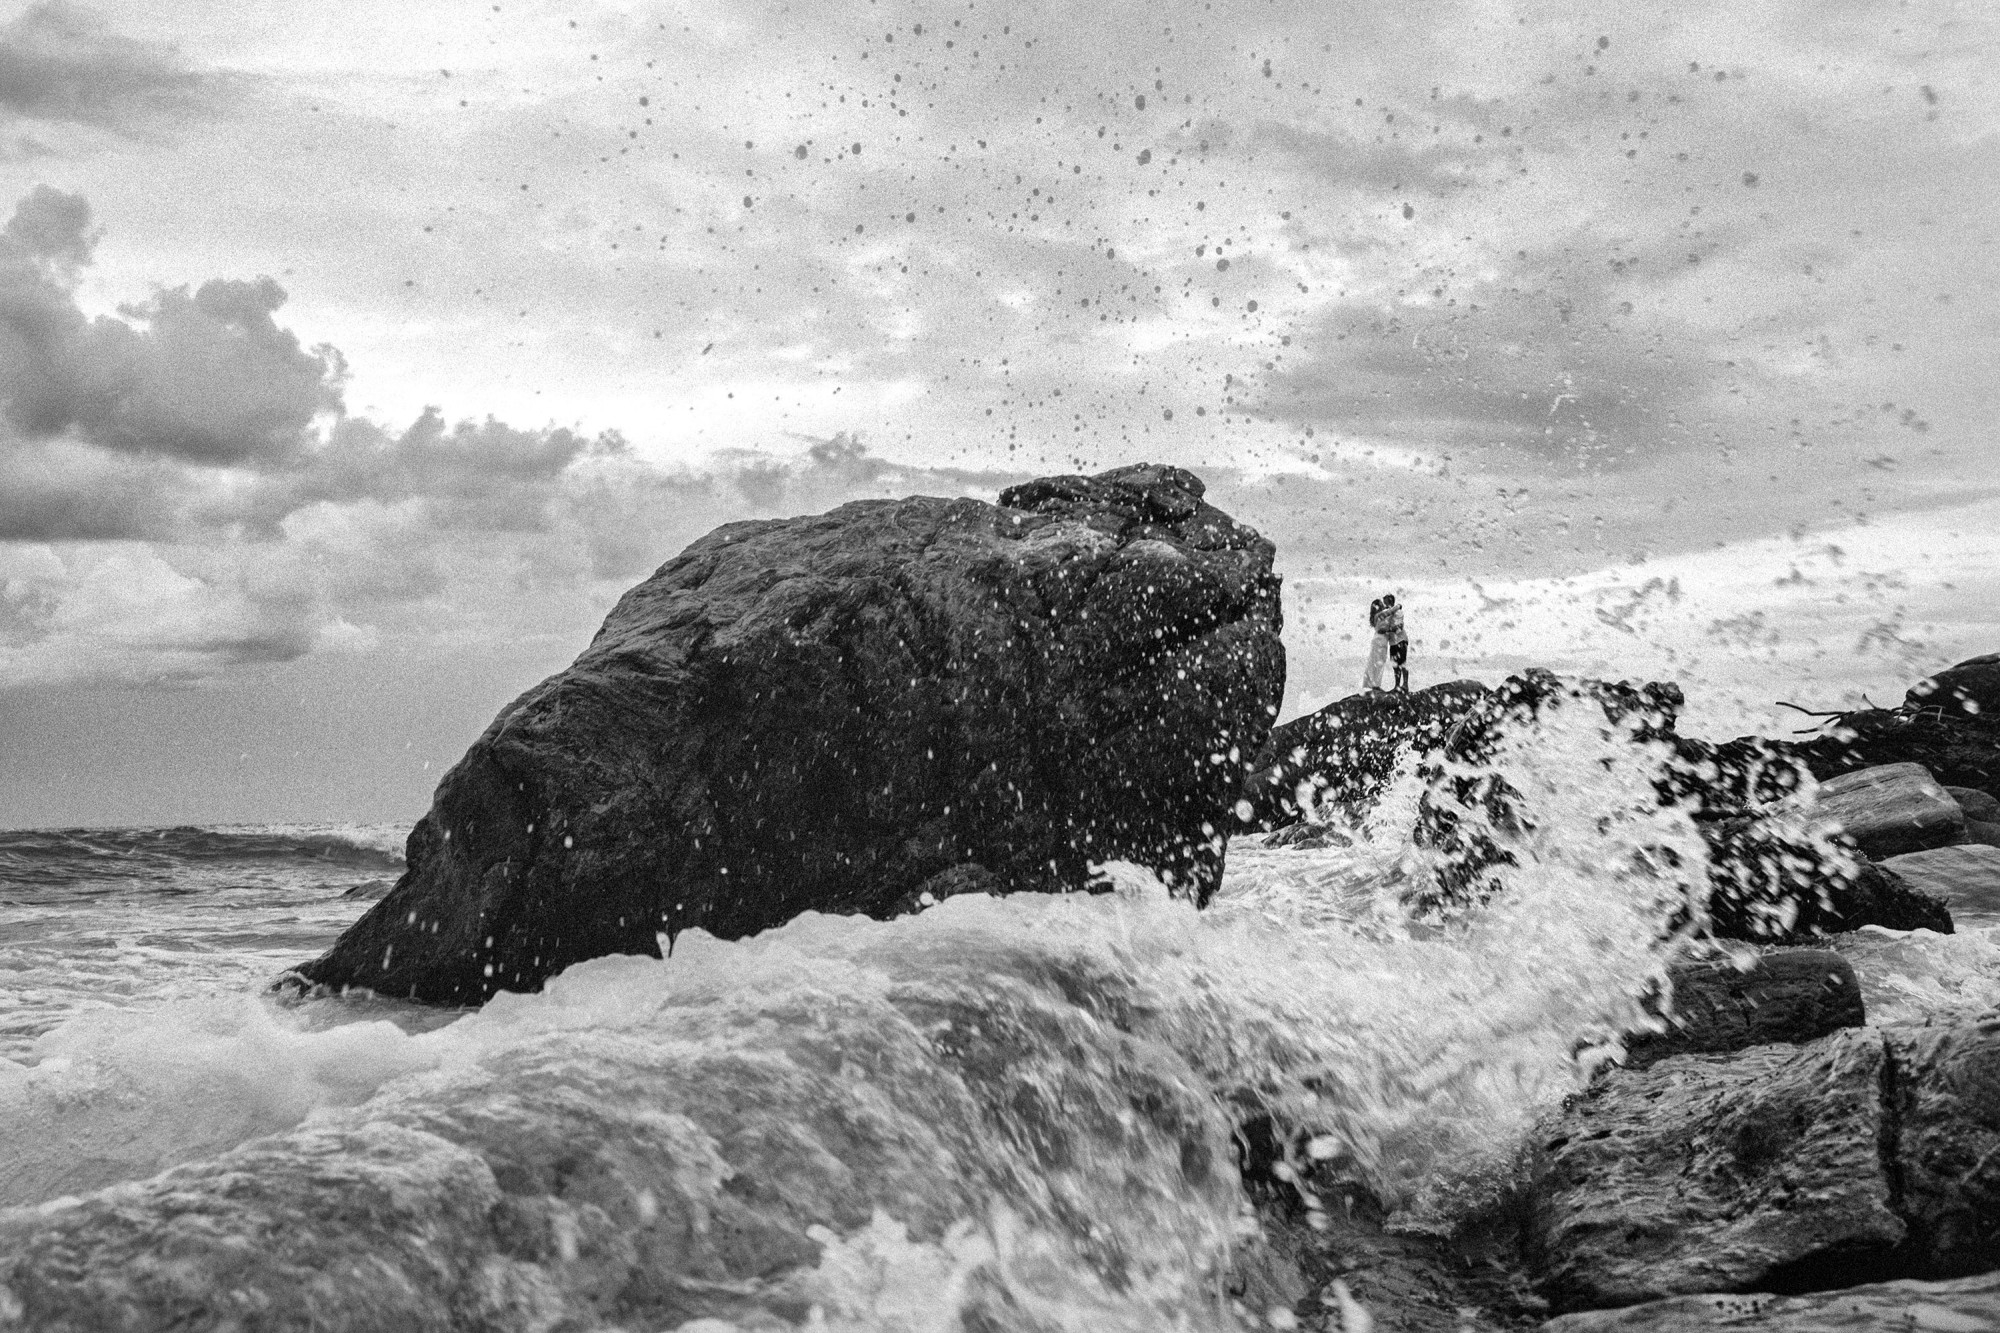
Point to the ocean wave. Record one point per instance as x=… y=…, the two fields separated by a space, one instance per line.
x=49 y=856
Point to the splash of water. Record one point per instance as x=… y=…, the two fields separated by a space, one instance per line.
x=1001 y=1114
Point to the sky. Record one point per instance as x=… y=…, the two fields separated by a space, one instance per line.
x=353 y=359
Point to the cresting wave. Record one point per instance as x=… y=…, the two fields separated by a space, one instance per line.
x=1000 y=1114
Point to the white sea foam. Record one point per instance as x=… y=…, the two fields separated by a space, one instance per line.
x=1017 y=1106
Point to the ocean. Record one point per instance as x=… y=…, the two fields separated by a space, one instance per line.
x=1001 y=1114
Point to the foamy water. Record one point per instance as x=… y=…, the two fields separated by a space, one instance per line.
x=1001 y=1114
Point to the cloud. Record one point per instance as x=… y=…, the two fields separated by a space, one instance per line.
x=61 y=63
x=184 y=493
x=1552 y=357
x=206 y=376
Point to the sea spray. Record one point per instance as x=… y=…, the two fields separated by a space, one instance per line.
x=1002 y=1113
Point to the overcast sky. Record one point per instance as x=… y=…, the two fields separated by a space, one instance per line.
x=353 y=358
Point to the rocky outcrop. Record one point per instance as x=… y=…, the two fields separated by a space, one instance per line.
x=1717 y=1173
x=1970 y=689
x=846 y=713
x=1889 y=809
x=1792 y=995
x=1347 y=751
x=1967 y=879
x=1869 y=1154
x=1967 y=1305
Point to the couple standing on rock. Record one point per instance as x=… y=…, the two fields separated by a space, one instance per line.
x=1390 y=644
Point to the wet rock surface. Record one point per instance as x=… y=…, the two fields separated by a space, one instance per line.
x=1968 y=1305
x=830 y=713
x=1890 y=809
x=1966 y=879
x=1867 y=1155
x=1718 y=1173
x=1793 y=995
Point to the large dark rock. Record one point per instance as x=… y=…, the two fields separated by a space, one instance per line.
x=1794 y=995
x=1347 y=751
x=847 y=713
x=1970 y=689
x=1718 y=1173
x=1869 y=1154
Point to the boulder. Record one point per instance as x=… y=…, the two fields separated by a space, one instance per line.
x=1717 y=1173
x=1945 y=1103
x=1794 y=995
x=1347 y=751
x=1967 y=1305
x=1890 y=809
x=1970 y=689
x=1967 y=878
x=845 y=713
x=1873 y=1153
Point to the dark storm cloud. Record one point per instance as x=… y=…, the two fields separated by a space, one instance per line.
x=60 y=63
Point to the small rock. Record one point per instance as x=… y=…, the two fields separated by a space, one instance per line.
x=1715 y=1172
x=1967 y=878
x=1890 y=809
x=1968 y=1305
x=1796 y=996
